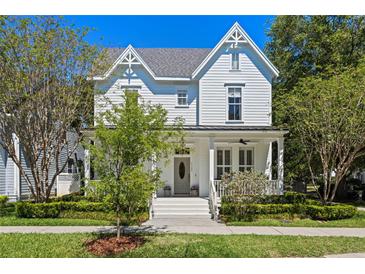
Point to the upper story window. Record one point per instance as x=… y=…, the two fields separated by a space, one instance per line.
x=234 y=104
x=182 y=98
x=235 y=61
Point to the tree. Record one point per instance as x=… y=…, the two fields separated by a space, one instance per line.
x=127 y=138
x=44 y=94
x=303 y=46
x=328 y=115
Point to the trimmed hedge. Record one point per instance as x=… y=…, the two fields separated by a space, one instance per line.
x=287 y=198
x=72 y=197
x=84 y=206
x=3 y=200
x=53 y=209
x=3 y=205
x=30 y=210
x=248 y=212
x=334 y=212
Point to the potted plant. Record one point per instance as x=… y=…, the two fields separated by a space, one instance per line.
x=194 y=191
x=167 y=191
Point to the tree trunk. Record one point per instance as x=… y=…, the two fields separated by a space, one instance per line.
x=118 y=221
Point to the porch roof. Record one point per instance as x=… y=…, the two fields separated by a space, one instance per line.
x=233 y=128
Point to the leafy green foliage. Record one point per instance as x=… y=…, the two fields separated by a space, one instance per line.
x=84 y=206
x=237 y=211
x=44 y=94
x=127 y=138
x=328 y=114
x=3 y=200
x=245 y=182
x=287 y=198
x=44 y=210
x=304 y=46
x=334 y=212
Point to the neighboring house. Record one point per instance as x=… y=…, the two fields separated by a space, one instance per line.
x=15 y=187
x=224 y=95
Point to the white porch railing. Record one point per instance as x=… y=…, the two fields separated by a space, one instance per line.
x=217 y=191
x=272 y=188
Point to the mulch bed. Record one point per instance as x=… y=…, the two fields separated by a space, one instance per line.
x=112 y=245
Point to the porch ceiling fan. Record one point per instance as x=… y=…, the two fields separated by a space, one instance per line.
x=244 y=142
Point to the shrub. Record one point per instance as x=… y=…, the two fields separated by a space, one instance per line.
x=84 y=206
x=242 y=211
x=3 y=205
x=72 y=197
x=287 y=198
x=31 y=210
x=245 y=182
x=3 y=200
x=332 y=212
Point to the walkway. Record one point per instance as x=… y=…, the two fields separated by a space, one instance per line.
x=198 y=227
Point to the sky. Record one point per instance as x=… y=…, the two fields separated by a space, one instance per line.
x=169 y=31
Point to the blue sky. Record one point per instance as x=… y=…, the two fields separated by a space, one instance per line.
x=169 y=31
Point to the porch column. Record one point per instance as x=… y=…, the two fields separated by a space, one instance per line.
x=281 y=164
x=211 y=159
x=87 y=167
x=268 y=168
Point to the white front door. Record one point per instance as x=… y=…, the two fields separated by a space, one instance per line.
x=182 y=175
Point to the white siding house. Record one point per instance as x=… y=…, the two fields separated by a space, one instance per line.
x=223 y=94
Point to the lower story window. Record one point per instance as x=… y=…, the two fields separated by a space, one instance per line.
x=246 y=161
x=224 y=161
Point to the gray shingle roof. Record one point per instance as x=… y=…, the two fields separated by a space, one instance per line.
x=167 y=62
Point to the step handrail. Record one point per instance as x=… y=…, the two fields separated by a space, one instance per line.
x=213 y=200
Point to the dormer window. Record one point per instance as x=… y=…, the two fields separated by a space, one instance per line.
x=235 y=61
x=182 y=98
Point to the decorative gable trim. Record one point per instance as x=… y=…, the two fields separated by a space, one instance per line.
x=130 y=57
x=236 y=36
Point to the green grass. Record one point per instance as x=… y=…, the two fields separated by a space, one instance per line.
x=71 y=218
x=357 y=221
x=14 y=221
x=183 y=245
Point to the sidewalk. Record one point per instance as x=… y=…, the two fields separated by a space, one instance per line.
x=212 y=228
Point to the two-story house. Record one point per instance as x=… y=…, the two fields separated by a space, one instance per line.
x=224 y=95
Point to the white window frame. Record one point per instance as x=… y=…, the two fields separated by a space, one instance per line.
x=223 y=165
x=185 y=92
x=227 y=105
x=245 y=166
x=135 y=89
x=233 y=54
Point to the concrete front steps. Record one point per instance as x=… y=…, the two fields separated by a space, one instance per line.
x=180 y=207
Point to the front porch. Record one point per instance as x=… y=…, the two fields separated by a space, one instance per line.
x=210 y=154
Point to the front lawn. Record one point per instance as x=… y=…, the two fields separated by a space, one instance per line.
x=14 y=221
x=183 y=245
x=357 y=221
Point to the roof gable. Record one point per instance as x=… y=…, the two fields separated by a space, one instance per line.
x=179 y=63
x=235 y=36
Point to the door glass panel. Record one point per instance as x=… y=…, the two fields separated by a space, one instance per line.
x=182 y=170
